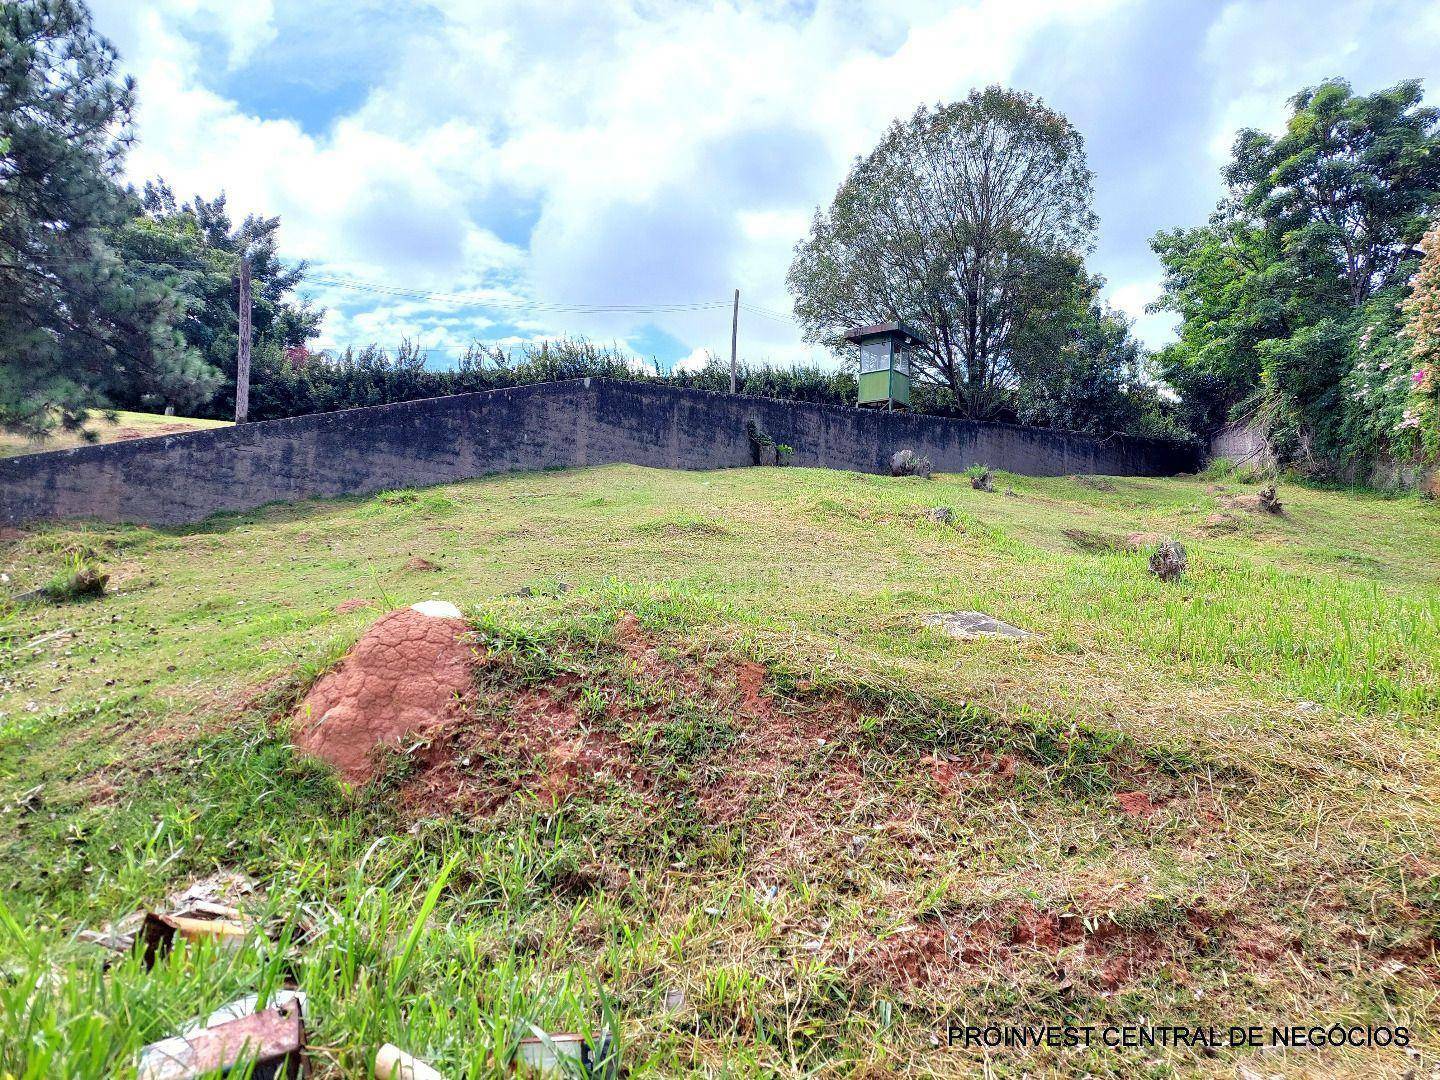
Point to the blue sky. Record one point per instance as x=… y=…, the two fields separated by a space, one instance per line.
x=546 y=160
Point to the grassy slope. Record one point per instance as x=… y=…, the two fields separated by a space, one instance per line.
x=1279 y=706
x=126 y=425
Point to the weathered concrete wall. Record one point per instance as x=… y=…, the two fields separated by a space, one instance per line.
x=1242 y=444
x=183 y=478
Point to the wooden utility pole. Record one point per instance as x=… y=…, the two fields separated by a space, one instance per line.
x=242 y=357
x=734 y=336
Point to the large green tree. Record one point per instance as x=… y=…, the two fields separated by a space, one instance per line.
x=195 y=250
x=1294 y=280
x=77 y=330
x=968 y=221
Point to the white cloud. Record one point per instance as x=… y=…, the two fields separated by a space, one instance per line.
x=620 y=152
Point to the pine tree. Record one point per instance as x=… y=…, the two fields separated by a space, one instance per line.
x=76 y=330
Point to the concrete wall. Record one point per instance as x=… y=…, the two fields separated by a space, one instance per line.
x=175 y=479
x=1242 y=444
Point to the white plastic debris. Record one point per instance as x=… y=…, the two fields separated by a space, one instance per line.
x=437 y=609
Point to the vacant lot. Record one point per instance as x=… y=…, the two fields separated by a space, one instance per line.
x=126 y=425
x=718 y=785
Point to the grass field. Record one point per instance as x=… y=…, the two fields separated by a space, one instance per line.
x=836 y=831
x=126 y=425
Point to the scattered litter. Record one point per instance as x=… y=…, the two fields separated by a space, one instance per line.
x=562 y=1051
x=214 y=922
x=43 y=639
x=392 y=1063
x=28 y=801
x=227 y=887
x=247 y=1006
x=268 y=1045
x=674 y=999
x=973 y=624
x=204 y=909
x=437 y=609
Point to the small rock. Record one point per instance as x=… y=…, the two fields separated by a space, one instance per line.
x=982 y=479
x=909 y=463
x=973 y=624
x=941 y=515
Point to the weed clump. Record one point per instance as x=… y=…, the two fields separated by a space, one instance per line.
x=1169 y=561
x=81 y=579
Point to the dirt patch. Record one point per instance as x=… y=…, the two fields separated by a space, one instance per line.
x=952 y=775
x=1266 y=501
x=534 y=742
x=1221 y=523
x=768 y=742
x=354 y=603
x=121 y=434
x=402 y=679
x=1103 y=543
x=10 y=535
x=421 y=565
x=1135 y=804
x=1069 y=946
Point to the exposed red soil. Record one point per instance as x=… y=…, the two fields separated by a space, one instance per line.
x=422 y=565
x=541 y=742
x=1074 y=948
x=402 y=679
x=535 y=741
x=354 y=603
x=769 y=741
x=1135 y=803
x=967 y=773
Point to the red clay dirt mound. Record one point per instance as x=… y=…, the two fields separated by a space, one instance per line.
x=403 y=677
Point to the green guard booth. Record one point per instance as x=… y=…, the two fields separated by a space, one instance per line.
x=885 y=354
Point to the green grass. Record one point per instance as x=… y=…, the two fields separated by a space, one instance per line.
x=1280 y=705
x=125 y=425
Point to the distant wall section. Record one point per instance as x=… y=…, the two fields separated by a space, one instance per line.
x=183 y=478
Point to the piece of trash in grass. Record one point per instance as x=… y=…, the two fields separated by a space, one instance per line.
x=247 y=1006
x=567 y=1049
x=158 y=932
x=209 y=900
x=268 y=1045
x=392 y=1063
